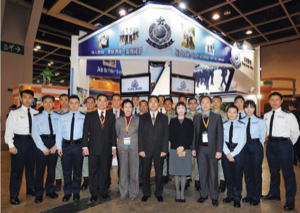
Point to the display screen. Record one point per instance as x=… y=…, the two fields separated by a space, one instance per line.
x=183 y=85
x=135 y=84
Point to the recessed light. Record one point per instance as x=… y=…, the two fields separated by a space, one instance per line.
x=38 y=47
x=249 y=32
x=56 y=74
x=35 y=49
x=62 y=81
x=51 y=62
x=182 y=5
x=122 y=12
x=226 y=13
x=216 y=16
x=38 y=81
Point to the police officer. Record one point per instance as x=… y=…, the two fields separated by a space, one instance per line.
x=136 y=101
x=239 y=103
x=223 y=75
x=283 y=132
x=44 y=128
x=233 y=156
x=69 y=148
x=254 y=153
x=21 y=146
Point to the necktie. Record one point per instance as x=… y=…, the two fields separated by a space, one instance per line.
x=230 y=133
x=271 y=124
x=153 y=118
x=248 y=129
x=135 y=111
x=160 y=110
x=72 y=127
x=116 y=114
x=50 y=125
x=102 y=119
x=240 y=116
x=30 y=120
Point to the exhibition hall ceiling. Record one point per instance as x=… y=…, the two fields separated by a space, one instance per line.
x=259 y=22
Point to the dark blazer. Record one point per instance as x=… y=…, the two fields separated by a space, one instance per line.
x=181 y=134
x=98 y=140
x=215 y=133
x=153 y=139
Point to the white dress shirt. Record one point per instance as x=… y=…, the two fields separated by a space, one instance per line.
x=162 y=110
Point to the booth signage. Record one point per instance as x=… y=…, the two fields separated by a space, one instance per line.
x=104 y=68
x=12 y=48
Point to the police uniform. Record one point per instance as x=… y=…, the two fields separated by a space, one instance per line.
x=254 y=155
x=241 y=115
x=44 y=129
x=71 y=149
x=223 y=74
x=283 y=132
x=136 y=110
x=162 y=110
x=233 y=171
x=18 y=134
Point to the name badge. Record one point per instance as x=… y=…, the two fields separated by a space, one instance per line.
x=127 y=141
x=205 y=137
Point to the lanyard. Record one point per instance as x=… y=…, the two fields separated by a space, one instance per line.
x=205 y=124
x=128 y=125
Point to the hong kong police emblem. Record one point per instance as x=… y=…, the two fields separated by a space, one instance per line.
x=160 y=34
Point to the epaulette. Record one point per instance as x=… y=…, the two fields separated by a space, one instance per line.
x=241 y=122
x=243 y=117
x=16 y=108
x=286 y=111
x=56 y=112
x=82 y=113
x=38 y=113
x=225 y=122
x=258 y=117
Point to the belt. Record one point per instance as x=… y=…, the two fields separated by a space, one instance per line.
x=278 y=139
x=22 y=136
x=48 y=136
x=231 y=146
x=72 y=142
x=253 y=140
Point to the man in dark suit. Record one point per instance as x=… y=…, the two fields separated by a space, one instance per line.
x=293 y=108
x=153 y=144
x=208 y=147
x=99 y=143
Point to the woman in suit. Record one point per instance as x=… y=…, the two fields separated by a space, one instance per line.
x=181 y=132
x=127 y=132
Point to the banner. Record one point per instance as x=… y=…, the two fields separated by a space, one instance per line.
x=104 y=68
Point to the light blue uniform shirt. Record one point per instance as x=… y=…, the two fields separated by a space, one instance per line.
x=64 y=127
x=40 y=126
x=257 y=128
x=239 y=136
x=137 y=109
x=243 y=114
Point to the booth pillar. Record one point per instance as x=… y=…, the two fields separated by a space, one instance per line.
x=257 y=79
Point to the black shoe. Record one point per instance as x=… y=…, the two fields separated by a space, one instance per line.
x=85 y=183
x=222 y=186
x=237 y=204
x=94 y=198
x=215 y=203
x=14 y=201
x=145 y=198
x=289 y=206
x=106 y=196
x=58 y=185
x=247 y=199
x=254 y=202
x=227 y=200
x=30 y=192
x=38 y=199
x=182 y=200
x=270 y=197
x=52 y=195
x=159 y=199
x=66 y=198
x=177 y=200
x=76 y=197
x=197 y=185
x=202 y=199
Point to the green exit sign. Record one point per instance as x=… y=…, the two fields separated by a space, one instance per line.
x=12 y=48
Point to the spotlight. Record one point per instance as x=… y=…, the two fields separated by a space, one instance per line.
x=259 y=96
x=122 y=12
x=182 y=5
x=216 y=16
x=56 y=74
x=38 y=47
x=226 y=13
x=51 y=62
x=62 y=81
x=35 y=49
x=249 y=32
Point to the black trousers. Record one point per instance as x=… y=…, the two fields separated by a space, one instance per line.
x=254 y=155
x=280 y=155
x=72 y=159
x=99 y=173
x=233 y=172
x=25 y=157
x=41 y=162
x=140 y=170
x=158 y=166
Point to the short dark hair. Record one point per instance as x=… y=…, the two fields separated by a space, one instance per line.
x=249 y=103
x=294 y=104
x=153 y=96
x=180 y=103
x=135 y=96
x=232 y=106
x=161 y=96
x=182 y=96
x=115 y=95
x=127 y=101
x=27 y=91
x=101 y=94
x=275 y=93
x=64 y=95
x=168 y=99
x=239 y=97
x=205 y=96
x=90 y=97
x=143 y=101
x=217 y=96
x=74 y=97
x=48 y=96
x=192 y=99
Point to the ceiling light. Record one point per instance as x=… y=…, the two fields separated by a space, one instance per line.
x=182 y=5
x=38 y=47
x=122 y=12
x=35 y=49
x=56 y=74
x=259 y=96
x=249 y=32
x=51 y=62
x=62 y=81
x=38 y=81
x=98 y=25
x=226 y=13
x=216 y=16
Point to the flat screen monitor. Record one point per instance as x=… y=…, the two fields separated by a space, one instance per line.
x=135 y=84
x=182 y=85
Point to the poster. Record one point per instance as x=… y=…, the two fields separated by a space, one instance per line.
x=82 y=94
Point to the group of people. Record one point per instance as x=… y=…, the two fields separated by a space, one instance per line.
x=129 y=35
x=215 y=142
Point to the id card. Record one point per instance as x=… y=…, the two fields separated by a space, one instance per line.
x=205 y=137
x=127 y=141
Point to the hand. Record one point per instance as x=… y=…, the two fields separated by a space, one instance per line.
x=85 y=152
x=53 y=149
x=218 y=155
x=114 y=151
x=117 y=141
x=193 y=153
x=46 y=151
x=142 y=154
x=59 y=151
x=180 y=149
x=229 y=157
x=13 y=150
x=163 y=154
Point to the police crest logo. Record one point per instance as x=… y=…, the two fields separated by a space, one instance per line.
x=135 y=84
x=235 y=57
x=160 y=34
x=183 y=85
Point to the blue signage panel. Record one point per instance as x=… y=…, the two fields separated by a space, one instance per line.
x=104 y=68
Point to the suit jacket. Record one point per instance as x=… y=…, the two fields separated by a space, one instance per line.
x=99 y=140
x=215 y=133
x=153 y=139
x=132 y=133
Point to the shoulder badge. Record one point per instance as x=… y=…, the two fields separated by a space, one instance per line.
x=225 y=122
x=38 y=113
x=241 y=122
x=16 y=108
x=286 y=111
x=82 y=113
